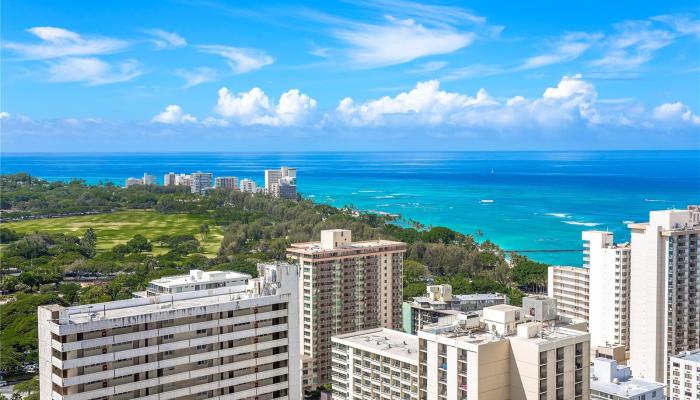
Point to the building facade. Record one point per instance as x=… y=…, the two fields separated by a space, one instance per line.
x=226 y=182
x=685 y=376
x=148 y=179
x=345 y=287
x=609 y=288
x=664 y=297
x=570 y=287
x=248 y=186
x=169 y=179
x=612 y=381
x=439 y=303
x=272 y=176
x=196 y=280
x=213 y=344
x=376 y=363
x=133 y=182
x=285 y=188
x=508 y=355
x=201 y=182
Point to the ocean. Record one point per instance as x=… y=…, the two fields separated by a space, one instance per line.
x=519 y=200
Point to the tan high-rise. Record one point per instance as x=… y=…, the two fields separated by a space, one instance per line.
x=345 y=287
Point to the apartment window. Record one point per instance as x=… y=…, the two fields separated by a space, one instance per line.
x=201 y=331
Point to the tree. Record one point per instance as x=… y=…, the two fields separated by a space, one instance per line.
x=204 y=231
x=94 y=294
x=413 y=271
x=70 y=292
x=29 y=387
x=8 y=235
x=89 y=243
x=138 y=244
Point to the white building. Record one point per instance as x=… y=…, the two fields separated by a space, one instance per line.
x=375 y=363
x=285 y=188
x=508 y=355
x=201 y=181
x=213 y=344
x=609 y=283
x=183 y=180
x=272 y=176
x=248 y=186
x=612 y=381
x=148 y=179
x=226 y=182
x=664 y=298
x=196 y=280
x=570 y=287
x=169 y=179
x=133 y=182
x=685 y=376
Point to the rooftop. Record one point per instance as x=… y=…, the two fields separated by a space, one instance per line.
x=198 y=276
x=315 y=247
x=693 y=356
x=387 y=342
x=616 y=380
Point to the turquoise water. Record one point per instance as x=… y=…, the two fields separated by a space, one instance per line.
x=520 y=200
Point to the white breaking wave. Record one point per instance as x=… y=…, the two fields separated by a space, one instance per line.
x=655 y=200
x=486 y=201
x=581 y=223
x=627 y=222
x=558 y=215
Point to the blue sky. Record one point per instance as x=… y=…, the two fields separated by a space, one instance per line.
x=235 y=76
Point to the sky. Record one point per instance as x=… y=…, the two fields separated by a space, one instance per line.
x=190 y=75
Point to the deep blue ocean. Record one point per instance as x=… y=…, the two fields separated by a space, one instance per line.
x=520 y=200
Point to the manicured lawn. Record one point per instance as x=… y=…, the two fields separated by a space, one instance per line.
x=119 y=227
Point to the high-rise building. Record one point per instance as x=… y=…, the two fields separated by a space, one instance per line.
x=685 y=376
x=664 y=297
x=281 y=182
x=214 y=344
x=248 y=186
x=375 y=364
x=201 y=182
x=345 y=286
x=612 y=381
x=439 y=302
x=183 y=180
x=148 y=179
x=570 y=287
x=512 y=353
x=133 y=182
x=169 y=179
x=609 y=283
x=226 y=182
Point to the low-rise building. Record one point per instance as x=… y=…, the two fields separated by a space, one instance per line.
x=133 y=182
x=206 y=344
x=375 y=363
x=439 y=302
x=612 y=381
x=685 y=376
x=196 y=280
x=509 y=355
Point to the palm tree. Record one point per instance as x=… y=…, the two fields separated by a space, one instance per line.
x=204 y=231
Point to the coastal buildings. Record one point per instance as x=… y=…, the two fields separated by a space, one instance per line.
x=570 y=287
x=183 y=180
x=664 y=297
x=281 y=183
x=215 y=344
x=609 y=288
x=201 y=182
x=226 y=182
x=346 y=287
x=685 y=376
x=133 y=182
x=510 y=354
x=248 y=186
x=612 y=381
x=439 y=302
x=148 y=179
x=196 y=280
x=375 y=363
x=169 y=179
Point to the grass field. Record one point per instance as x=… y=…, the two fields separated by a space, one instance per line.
x=119 y=227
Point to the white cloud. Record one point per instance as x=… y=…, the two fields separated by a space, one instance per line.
x=4 y=115
x=241 y=60
x=428 y=67
x=197 y=76
x=92 y=71
x=399 y=41
x=632 y=45
x=58 y=42
x=682 y=24
x=255 y=108
x=568 y=48
x=174 y=115
x=166 y=40
x=674 y=113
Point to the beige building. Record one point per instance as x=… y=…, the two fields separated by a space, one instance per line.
x=510 y=354
x=376 y=363
x=685 y=376
x=570 y=287
x=226 y=182
x=207 y=344
x=345 y=287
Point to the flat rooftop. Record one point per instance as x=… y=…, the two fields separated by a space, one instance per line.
x=133 y=307
x=315 y=247
x=383 y=341
x=693 y=356
x=197 y=276
x=625 y=389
